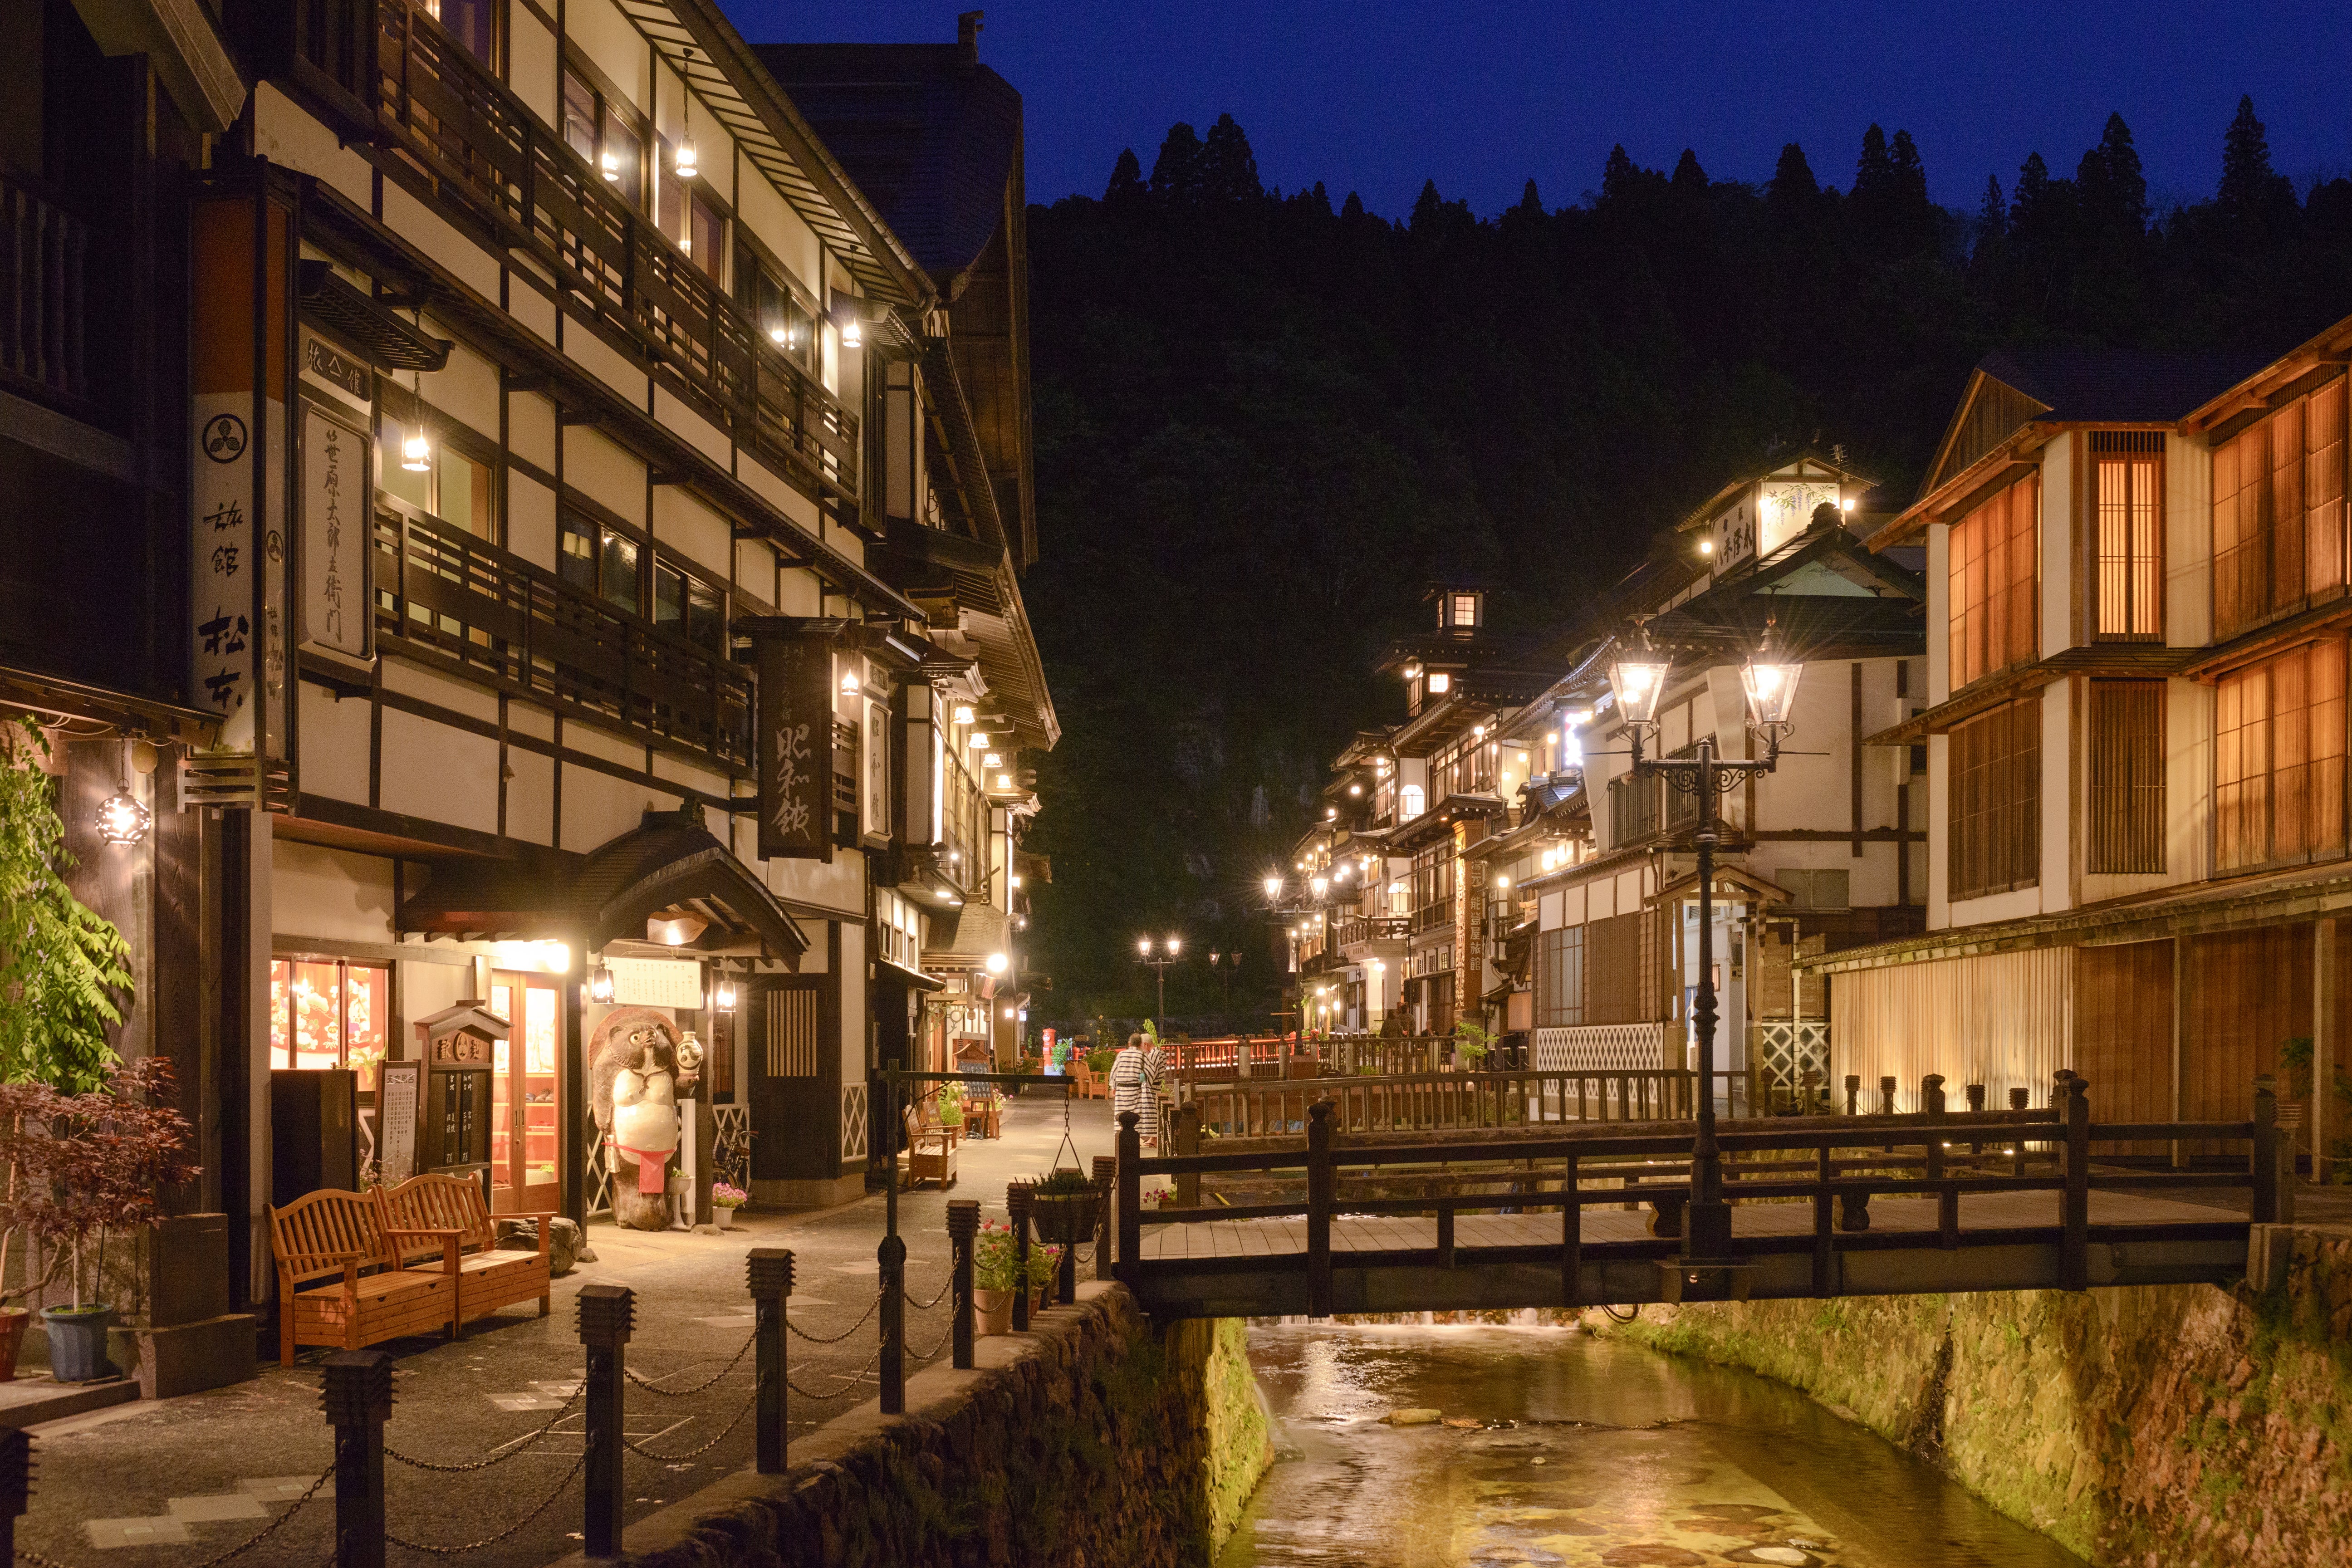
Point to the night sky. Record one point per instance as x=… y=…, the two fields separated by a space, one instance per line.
x=1377 y=96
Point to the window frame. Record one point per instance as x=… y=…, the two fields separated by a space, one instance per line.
x=1983 y=867
x=612 y=105
x=446 y=434
x=2246 y=502
x=2127 y=587
x=653 y=559
x=1972 y=621
x=2124 y=778
x=2322 y=737
x=1559 y=978
x=388 y=1030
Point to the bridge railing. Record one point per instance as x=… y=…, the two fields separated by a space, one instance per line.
x=1970 y=1153
x=1433 y=1100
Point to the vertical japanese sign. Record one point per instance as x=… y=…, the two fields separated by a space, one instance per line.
x=795 y=735
x=240 y=345
x=336 y=469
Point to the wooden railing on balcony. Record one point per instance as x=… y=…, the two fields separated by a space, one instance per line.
x=845 y=767
x=491 y=157
x=1374 y=928
x=42 y=292
x=446 y=597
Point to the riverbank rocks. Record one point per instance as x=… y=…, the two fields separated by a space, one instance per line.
x=1093 y=1439
x=1418 y=1415
x=2141 y=1426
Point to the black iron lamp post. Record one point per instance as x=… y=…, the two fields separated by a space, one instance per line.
x=1224 y=964
x=1638 y=678
x=1161 y=956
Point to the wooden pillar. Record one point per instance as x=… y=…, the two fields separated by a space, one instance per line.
x=2323 y=1040
x=2181 y=995
x=573 y=1123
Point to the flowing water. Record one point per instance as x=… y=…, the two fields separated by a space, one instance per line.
x=1562 y=1451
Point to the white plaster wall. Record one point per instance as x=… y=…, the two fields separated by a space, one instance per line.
x=531 y=520
x=442 y=690
x=2188 y=542
x=438 y=773
x=617 y=49
x=2055 y=537
x=1940 y=843
x=330 y=894
x=467 y=389
x=334 y=744
x=531 y=63
x=286 y=134
x=1939 y=614
x=2060 y=853
x=599 y=808
x=601 y=470
x=693 y=530
x=531 y=796
x=428 y=232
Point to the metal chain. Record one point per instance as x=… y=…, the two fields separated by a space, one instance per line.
x=812 y=1339
x=845 y=1382
x=935 y=1300
x=27 y=1555
x=518 y=1446
x=652 y=1387
x=937 y=1345
x=697 y=1453
x=561 y=1488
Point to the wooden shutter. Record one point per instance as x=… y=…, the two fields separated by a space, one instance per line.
x=2129 y=528
x=2278 y=511
x=2278 y=760
x=1992 y=584
x=1995 y=842
x=1616 y=974
x=2127 y=775
x=794 y=1020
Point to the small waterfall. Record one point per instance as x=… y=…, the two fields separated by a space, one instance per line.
x=1500 y=1318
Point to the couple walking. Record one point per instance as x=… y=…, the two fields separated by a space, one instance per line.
x=1135 y=1078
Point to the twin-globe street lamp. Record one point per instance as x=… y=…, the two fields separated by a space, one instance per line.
x=1166 y=956
x=1638 y=678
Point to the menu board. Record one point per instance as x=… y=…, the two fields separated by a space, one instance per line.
x=396 y=1120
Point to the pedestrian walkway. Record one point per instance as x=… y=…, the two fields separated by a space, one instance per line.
x=177 y=1481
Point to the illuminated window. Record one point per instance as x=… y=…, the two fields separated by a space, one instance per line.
x=1411 y=801
x=325 y=1012
x=2130 y=585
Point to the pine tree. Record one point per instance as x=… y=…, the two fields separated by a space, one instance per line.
x=1793 y=179
x=2111 y=186
x=1529 y=202
x=1618 y=174
x=1993 y=213
x=1873 y=171
x=1126 y=178
x=1320 y=199
x=1352 y=208
x=1228 y=167
x=1176 y=173
x=1427 y=208
x=2250 y=190
x=1689 y=179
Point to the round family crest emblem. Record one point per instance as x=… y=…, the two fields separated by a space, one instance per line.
x=224 y=439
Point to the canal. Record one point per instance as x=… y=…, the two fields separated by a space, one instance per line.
x=1557 y=1450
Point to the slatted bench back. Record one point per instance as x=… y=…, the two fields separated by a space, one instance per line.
x=432 y=1202
x=321 y=1233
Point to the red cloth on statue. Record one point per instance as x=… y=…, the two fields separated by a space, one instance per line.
x=653 y=1170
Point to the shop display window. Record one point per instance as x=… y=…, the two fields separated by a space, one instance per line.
x=327 y=1013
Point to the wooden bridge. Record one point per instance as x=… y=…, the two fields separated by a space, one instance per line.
x=1536 y=1214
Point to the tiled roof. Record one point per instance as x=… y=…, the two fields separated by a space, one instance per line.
x=2081 y=381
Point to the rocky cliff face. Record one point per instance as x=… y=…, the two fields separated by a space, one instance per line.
x=2177 y=1427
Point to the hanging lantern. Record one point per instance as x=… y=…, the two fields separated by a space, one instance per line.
x=725 y=996
x=416 y=452
x=683 y=164
x=122 y=819
x=600 y=986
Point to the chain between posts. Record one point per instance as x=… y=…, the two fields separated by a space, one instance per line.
x=644 y=1453
x=544 y=1504
x=653 y=1387
x=801 y=1335
x=515 y=1447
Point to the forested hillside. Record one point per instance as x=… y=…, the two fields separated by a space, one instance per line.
x=1263 y=421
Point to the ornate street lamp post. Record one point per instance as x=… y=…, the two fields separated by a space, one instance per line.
x=1160 y=959
x=1638 y=678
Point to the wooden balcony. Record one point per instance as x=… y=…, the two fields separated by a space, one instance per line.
x=43 y=303
x=1374 y=928
x=490 y=157
x=448 y=599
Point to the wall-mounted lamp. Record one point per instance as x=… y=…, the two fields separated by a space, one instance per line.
x=121 y=818
x=600 y=986
x=998 y=963
x=849 y=683
x=725 y=994
x=963 y=713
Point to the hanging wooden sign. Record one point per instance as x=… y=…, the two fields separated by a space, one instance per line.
x=795 y=736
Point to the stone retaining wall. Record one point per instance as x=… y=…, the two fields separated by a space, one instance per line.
x=1095 y=1438
x=2170 y=1426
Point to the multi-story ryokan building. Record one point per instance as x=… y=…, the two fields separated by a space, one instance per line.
x=1494 y=858
x=2135 y=725
x=563 y=548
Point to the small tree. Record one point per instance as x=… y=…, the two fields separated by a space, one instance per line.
x=1472 y=1042
x=64 y=969
x=79 y=1165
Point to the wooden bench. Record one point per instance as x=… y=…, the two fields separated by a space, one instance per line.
x=931 y=1154
x=438 y=1222
x=338 y=1236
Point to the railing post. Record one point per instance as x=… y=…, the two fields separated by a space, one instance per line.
x=607 y=1317
x=16 y=1487
x=1947 y=1199
x=2074 y=1256
x=1130 y=1199
x=1853 y=1094
x=1976 y=1094
x=1322 y=1186
x=963 y=1226
x=356 y=1389
x=1016 y=1206
x=2264 y=1160
x=1571 y=1235
x=1187 y=1142
x=769 y=1271
x=891 y=1255
x=1824 y=1246
x=1106 y=1190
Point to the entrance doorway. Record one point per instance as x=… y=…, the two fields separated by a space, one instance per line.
x=526 y=1095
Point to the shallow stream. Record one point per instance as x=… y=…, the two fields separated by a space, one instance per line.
x=1560 y=1450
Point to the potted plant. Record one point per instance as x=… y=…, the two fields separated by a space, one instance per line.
x=725 y=1199
x=1471 y=1044
x=90 y=1164
x=993 y=1279
x=950 y=1100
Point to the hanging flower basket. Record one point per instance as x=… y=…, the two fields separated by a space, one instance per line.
x=1065 y=1206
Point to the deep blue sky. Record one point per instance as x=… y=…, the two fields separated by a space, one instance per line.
x=1377 y=95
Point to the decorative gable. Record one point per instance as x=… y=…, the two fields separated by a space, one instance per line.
x=1991 y=412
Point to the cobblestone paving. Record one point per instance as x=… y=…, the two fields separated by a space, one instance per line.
x=180 y=1481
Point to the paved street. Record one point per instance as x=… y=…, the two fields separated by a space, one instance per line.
x=180 y=1481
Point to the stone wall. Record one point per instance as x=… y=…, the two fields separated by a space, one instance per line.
x=2172 y=1426
x=1096 y=1439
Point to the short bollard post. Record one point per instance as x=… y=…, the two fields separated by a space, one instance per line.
x=1976 y=1094
x=2019 y=1100
x=357 y=1392
x=770 y=1270
x=608 y=1316
x=17 y=1488
x=892 y=1255
x=1853 y=1094
x=963 y=1229
x=1016 y=1204
x=1106 y=1177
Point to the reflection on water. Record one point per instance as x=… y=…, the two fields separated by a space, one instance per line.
x=1561 y=1451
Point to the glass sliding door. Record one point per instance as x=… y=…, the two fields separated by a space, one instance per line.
x=525 y=1094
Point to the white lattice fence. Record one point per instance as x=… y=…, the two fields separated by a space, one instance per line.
x=731 y=1144
x=1787 y=1049
x=853 y=1121
x=1602 y=1047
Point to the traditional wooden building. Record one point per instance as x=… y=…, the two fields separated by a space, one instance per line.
x=2133 y=727
x=593 y=672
